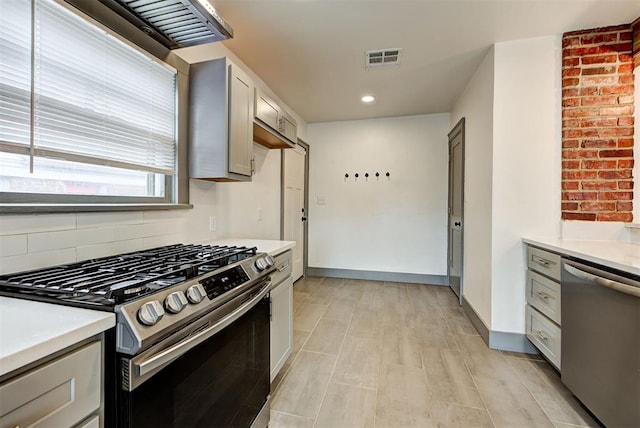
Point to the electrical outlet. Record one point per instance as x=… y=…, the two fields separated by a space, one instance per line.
x=320 y=200
x=213 y=223
x=259 y=214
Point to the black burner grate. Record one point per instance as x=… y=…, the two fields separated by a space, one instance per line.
x=108 y=281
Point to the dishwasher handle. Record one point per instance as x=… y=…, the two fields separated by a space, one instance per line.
x=632 y=288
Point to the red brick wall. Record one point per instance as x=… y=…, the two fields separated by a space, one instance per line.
x=597 y=124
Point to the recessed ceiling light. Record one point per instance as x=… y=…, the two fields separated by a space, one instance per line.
x=368 y=99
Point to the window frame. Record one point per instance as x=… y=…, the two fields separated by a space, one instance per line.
x=178 y=184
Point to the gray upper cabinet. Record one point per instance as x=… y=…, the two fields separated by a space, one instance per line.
x=274 y=127
x=220 y=121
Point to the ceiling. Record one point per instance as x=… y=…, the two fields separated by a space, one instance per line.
x=311 y=52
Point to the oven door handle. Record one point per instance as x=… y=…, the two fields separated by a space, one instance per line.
x=166 y=356
x=633 y=290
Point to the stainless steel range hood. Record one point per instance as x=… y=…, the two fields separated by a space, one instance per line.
x=174 y=23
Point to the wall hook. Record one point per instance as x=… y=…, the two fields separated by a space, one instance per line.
x=366 y=175
x=357 y=175
x=377 y=174
x=387 y=174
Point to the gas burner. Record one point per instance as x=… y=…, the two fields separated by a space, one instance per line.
x=109 y=281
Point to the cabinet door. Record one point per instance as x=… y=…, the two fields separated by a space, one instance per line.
x=57 y=394
x=288 y=127
x=240 y=121
x=281 y=325
x=266 y=110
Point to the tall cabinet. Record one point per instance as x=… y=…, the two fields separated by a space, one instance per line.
x=220 y=121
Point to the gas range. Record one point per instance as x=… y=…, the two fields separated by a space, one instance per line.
x=153 y=292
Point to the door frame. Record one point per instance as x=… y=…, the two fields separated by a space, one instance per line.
x=458 y=129
x=305 y=225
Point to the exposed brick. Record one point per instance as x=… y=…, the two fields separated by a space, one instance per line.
x=626 y=35
x=579 y=154
x=580 y=112
x=616 y=153
x=571 y=164
x=626 y=121
x=580 y=175
x=599 y=164
x=572 y=92
x=570 y=81
x=613 y=175
x=600 y=80
x=624 y=206
x=570 y=123
x=601 y=100
x=625 y=99
x=593 y=71
x=579 y=216
x=616 y=111
x=568 y=72
x=589 y=90
x=615 y=196
x=615 y=132
x=571 y=185
x=570 y=62
x=600 y=185
x=570 y=144
x=581 y=133
x=625 y=78
x=597 y=206
x=600 y=143
x=599 y=123
x=625 y=68
x=617 y=216
x=571 y=102
x=625 y=163
x=616 y=89
x=625 y=185
x=599 y=59
x=579 y=196
x=569 y=206
x=625 y=142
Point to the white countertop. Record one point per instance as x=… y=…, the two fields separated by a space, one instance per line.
x=32 y=330
x=624 y=256
x=268 y=246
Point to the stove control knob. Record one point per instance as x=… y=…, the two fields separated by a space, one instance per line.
x=196 y=293
x=175 y=302
x=261 y=264
x=150 y=313
x=270 y=261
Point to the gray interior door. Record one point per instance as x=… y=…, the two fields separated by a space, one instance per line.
x=456 y=208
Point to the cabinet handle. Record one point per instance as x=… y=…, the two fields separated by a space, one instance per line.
x=542 y=262
x=281 y=124
x=540 y=335
x=283 y=267
x=542 y=295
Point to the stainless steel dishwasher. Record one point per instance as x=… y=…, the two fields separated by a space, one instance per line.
x=601 y=340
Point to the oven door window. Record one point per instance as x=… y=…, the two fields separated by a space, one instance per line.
x=223 y=382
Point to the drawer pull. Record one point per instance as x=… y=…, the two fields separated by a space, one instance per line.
x=542 y=262
x=540 y=335
x=542 y=295
x=283 y=267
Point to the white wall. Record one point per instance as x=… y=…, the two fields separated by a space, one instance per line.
x=526 y=166
x=476 y=106
x=391 y=225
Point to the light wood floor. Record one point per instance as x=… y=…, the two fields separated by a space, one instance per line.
x=381 y=354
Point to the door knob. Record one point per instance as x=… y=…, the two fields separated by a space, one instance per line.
x=457 y=223
x=304 y=219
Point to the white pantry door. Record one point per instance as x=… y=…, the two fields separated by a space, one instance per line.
x=294 y=215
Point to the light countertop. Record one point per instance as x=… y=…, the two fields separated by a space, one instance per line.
x=624 y=256
x=32 y=330
x=268 y=246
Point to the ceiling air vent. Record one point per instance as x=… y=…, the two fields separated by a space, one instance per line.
x=382 y=58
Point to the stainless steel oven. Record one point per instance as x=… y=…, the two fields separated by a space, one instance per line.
x=191 y=342
x=212 y=373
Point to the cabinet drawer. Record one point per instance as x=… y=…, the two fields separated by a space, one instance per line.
x=59 y=393
x=544 y=262
x=544 y=334
x=544 y=295
x=283 y=267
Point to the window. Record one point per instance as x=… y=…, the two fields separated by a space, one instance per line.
x=84 y=116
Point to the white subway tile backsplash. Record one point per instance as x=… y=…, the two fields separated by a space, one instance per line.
x=86 y=220
x=17 y=224
x=164 y=215
x=159 y=241
x=149 y=229
x=109 y=249
x=13 y=245
x=69 y=238
x=36 y=260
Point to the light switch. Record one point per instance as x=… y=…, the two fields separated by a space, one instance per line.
x=320 y=200
x=259 y=214
x=213 y=223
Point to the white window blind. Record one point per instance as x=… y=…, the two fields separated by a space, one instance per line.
x=97 y=110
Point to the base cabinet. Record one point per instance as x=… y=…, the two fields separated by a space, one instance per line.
x=281 y=314
x=61 y=393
